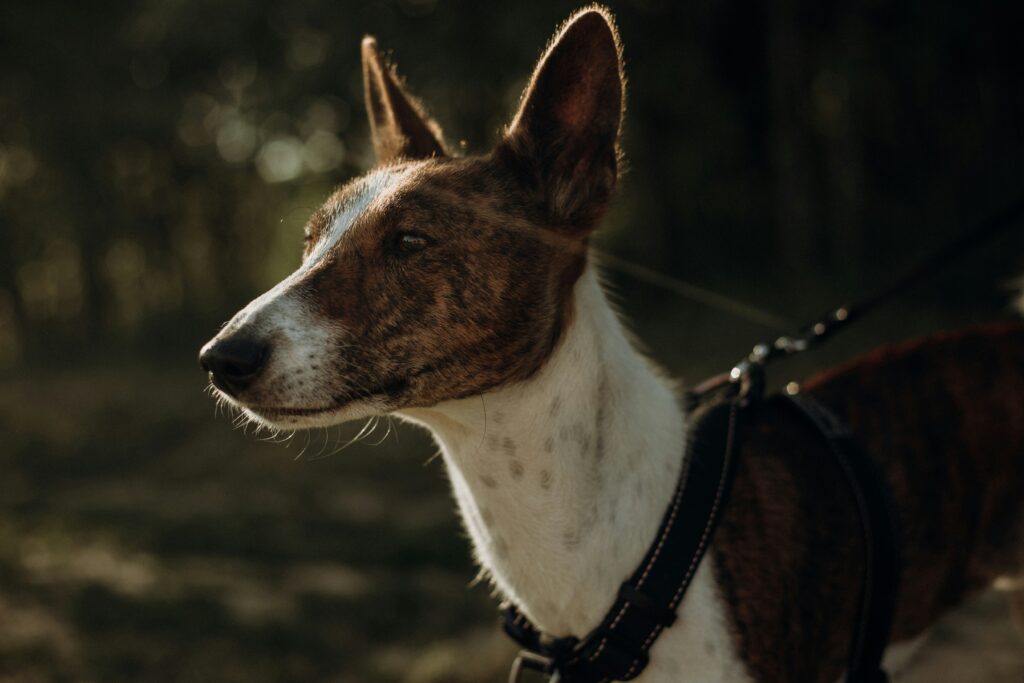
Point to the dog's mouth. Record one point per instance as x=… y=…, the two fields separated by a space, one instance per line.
x=387 y=390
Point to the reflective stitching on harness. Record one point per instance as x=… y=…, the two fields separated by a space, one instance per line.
x=704 y=537
x=695 y=561
x=714 y=508
x=647 y=569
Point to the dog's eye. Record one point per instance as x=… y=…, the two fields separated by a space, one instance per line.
x=411 y=242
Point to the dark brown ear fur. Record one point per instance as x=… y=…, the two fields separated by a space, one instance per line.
x=564 y=139
x=398 y=125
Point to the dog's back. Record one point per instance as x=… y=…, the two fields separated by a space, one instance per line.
x=944 y=419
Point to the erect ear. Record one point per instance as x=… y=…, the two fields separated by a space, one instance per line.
x=398 y=125
x=564 y=138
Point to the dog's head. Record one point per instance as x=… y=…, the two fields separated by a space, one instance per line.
x=433 y=277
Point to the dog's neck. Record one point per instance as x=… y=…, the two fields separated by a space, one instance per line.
x=562 y=480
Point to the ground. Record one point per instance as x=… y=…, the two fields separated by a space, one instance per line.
x=143 y=539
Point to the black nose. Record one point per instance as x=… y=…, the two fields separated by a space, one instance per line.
x=233 y=363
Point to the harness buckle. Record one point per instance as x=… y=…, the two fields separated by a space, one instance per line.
x=531 y=661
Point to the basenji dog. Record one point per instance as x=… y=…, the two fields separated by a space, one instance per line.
x=457 y=292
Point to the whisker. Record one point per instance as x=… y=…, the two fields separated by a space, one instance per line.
x=376 y=423
x=386 y=434
x=357 y=437
x=320 y=453
x=432 y=458
x=309 y=436
x=398 y=442
x=483 y=406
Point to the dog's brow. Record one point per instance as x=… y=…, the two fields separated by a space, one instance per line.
x=352 y=201
x=320 y=219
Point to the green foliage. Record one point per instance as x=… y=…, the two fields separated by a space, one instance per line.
x=157 y=162
x=158 y=159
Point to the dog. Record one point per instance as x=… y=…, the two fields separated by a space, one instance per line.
x=458 y=294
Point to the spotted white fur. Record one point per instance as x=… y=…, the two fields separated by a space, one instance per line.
x=558 y=525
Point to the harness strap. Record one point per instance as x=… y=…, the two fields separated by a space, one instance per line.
x=646 y=603
x=879 y=520
x=617 y=650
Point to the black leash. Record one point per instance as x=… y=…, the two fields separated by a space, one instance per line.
x=646 y=603
x=841 y=317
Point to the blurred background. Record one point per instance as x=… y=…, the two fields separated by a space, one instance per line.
x=158 y=160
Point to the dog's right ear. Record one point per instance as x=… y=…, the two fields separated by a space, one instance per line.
x=398 y=125
x=563 y=140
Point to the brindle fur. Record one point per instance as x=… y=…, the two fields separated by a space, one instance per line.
x=943 y=419
x=488 y=300
x=436 y=324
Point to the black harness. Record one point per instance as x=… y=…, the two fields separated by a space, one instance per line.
x=617 y=650
x=721 y=410
x=646 y=604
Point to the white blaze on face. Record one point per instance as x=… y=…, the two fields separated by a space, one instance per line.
x=297 y=373
x=375 y=186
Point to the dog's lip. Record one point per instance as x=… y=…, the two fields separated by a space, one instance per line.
x=273 y=411
x=388 y=389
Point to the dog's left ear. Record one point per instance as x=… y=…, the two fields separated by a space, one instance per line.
x=398 y=125
x=564 y=138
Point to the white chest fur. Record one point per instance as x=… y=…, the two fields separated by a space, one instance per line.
x=562 y=482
